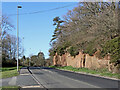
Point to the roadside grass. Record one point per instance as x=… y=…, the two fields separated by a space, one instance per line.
x=10 y=87
x=100 y=72
x=7 y=72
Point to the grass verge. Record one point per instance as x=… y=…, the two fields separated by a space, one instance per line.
x=100 y=72
x=9 y=87
x=7 y=72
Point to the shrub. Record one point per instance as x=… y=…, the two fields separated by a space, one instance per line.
x=73 y=51
x=9 y=63
x=52 y=52
x=112 y=47
x=60 y=50
x=90 y=51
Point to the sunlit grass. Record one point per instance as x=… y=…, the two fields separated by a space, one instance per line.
x=7 y=72
x=101 y=72
x=10 y=88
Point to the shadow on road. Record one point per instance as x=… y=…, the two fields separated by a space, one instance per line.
x=40 y=68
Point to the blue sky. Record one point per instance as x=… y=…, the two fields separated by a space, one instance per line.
x=37 y=29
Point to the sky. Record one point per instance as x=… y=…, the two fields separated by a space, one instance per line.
x=36 y=29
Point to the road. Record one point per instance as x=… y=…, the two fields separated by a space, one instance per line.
x=53 y=78
x=41 y=77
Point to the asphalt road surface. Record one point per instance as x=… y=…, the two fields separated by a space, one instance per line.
x=53 y=78
x=23 y=80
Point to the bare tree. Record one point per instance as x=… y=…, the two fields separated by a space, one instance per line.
x=88 y=27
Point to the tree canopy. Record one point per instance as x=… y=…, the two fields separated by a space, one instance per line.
x=89 y=27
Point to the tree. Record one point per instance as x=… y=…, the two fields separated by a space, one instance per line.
x=38 y=60
x=5 y=25
x=34 y=60
x=9 y=47
x=22 y=60
x=87 y=28
x=41 y=58
x=58 y=30
x=26 y=62
x=9 y=42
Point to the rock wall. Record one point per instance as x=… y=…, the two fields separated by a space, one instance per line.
x=83 y=60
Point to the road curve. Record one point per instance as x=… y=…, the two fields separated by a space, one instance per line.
x=53 y=78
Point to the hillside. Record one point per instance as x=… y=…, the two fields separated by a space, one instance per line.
x=89 y=27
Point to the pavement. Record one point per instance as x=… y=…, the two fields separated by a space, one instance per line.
x=42 y=77
x=23 y=80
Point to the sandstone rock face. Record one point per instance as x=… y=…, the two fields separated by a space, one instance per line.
x=83 y=60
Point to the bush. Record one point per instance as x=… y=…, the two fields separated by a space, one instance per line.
x=90 y=51
x=89 y=47
x=9 y=63
x=60 y=50
x=112 y=47
x=52 y=52
x=73 y=51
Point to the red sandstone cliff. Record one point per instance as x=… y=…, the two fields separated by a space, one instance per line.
x=84 y=60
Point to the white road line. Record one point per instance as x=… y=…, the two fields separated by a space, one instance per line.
x=24 y=74
x=81 y=82
x=36 y=80
x=48 y=71
x=74 y=79
x=31 y=87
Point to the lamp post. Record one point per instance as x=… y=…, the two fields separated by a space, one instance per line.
x=30 y=59
x=17 y=36
x=23 y=51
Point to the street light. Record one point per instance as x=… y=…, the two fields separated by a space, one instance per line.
x=17 y=36
x=29 y=59
x=23 y=51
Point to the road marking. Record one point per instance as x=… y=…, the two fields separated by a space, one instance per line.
x=31 y=86
x=33 y=78
x=48 y=71
x=13 y=81
x=24 y=74
x=81 y=82
x=36 y=79
x=73 y=79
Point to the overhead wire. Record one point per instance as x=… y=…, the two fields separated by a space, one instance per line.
x=42 y=11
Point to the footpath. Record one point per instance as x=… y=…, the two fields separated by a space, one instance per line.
x=24 y=80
